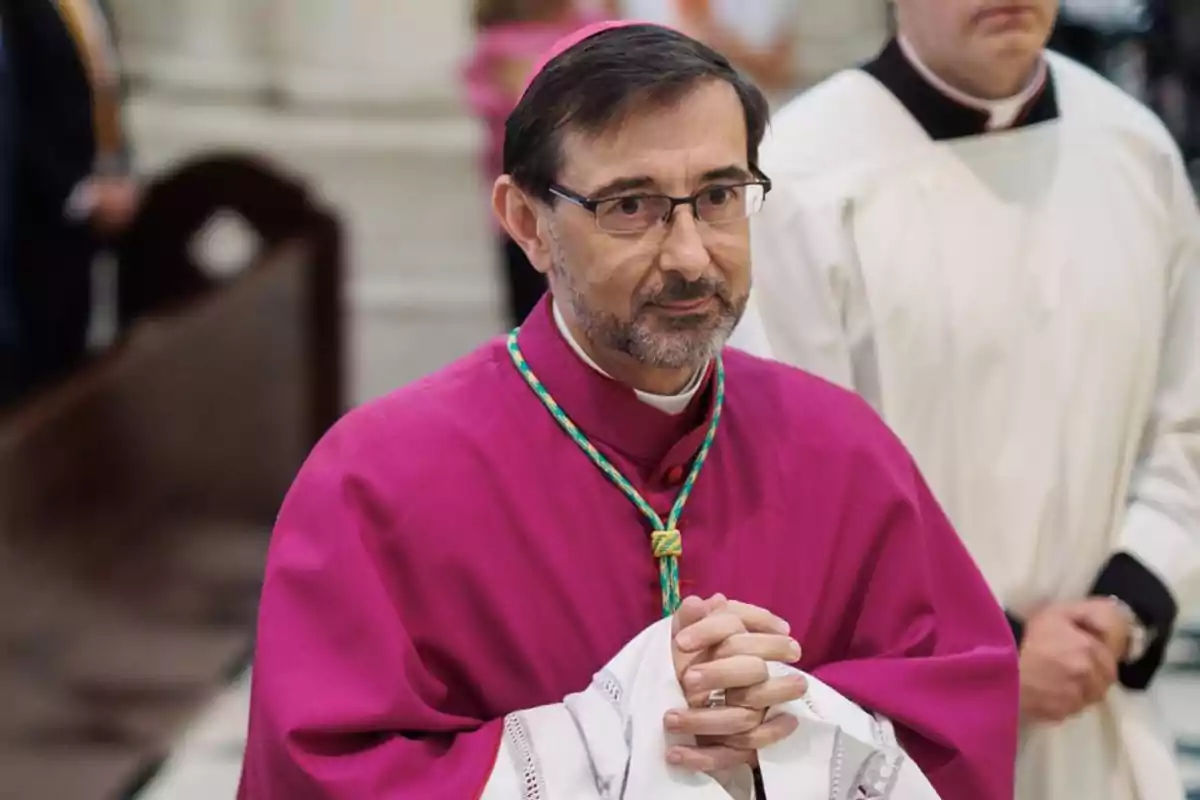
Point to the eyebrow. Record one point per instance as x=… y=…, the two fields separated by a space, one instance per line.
x=731 y=172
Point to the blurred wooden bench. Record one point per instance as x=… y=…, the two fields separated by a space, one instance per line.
x=137 y=498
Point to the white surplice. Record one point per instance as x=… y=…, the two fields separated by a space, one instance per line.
x=1023 y=308
x=608 y=742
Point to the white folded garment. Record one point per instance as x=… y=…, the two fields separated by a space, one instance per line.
x=608 y=742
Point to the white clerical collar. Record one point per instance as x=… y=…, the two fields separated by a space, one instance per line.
x=672 y=404
x=1001 y=113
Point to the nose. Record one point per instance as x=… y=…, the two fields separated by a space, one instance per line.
x=683 y=249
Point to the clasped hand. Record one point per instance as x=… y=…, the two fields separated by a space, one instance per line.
x=1069 y=657
x=719 y=645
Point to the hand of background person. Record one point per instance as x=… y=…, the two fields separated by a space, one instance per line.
x=113 y=202
x=1064 y=668
x=1104 y=619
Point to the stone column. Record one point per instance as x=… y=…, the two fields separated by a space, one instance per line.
x=356 y=53
x=142 y=29
x=211 y=47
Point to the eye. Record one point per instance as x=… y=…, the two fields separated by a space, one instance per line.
x=717 y=196
x=635 y=212
x=628 y=206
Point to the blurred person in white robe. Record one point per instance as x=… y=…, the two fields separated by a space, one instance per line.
x=1001 y=252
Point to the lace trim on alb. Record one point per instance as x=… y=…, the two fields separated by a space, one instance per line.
x=608 y=685
x=524 y=757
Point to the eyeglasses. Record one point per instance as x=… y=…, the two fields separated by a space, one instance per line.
x=716 y=204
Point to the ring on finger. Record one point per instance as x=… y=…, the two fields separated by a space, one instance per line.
x=716 y=699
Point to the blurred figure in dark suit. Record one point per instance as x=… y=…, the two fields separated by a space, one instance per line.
x=1093 y=32
x=72 y=189
x=8 y=321
x=1180 y=20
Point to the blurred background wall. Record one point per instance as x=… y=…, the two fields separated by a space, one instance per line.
x=363 y=99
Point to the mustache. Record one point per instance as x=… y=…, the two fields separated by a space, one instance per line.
x=676 y=289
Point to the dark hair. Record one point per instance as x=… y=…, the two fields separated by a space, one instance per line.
x=594 y=84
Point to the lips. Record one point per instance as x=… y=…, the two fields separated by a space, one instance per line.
x=1008 y=10
x=686 y=305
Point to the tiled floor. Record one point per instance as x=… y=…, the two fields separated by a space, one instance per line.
x=207 y=761
x=94 y=682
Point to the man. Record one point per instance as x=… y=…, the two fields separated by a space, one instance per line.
x=998 y=250
x=457 y=558
x=72 y=186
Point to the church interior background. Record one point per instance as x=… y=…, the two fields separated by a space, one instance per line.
x=361 y=100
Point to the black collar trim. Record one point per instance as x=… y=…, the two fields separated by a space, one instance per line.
x=940 y=116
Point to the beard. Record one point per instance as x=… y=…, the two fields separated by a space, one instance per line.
x=651 y=336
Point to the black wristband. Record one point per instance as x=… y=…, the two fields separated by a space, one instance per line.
x=1127 y=579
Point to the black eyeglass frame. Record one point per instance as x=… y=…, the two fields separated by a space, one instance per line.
x=592 y=204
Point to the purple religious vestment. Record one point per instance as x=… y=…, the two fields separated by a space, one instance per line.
x=448 y=555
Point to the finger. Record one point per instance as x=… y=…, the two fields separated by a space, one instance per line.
x=717 y=721
x=1075 y=650
x=767 y=646
x=1103 y=660
x=1092 y=607
x=690 y=611
x=1086 y=620
x=774 y=692
x=1090 y=660
x=770 y=732
x=1103 y=671
x=1098 y=622
x=1094 y=630
x=713 y=758
x=1068 y=701
x=708 y=632
x=759 y=620
x=736 y=672
x=1050 y=711
x=1082 y=675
